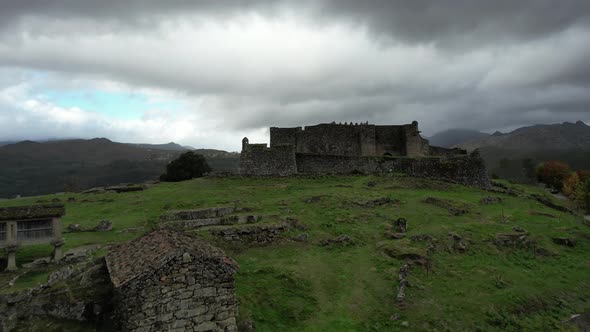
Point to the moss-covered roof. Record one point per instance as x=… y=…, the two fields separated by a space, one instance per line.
x=31 y=212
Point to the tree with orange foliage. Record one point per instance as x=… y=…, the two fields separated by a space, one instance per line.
x=571 y=184
x=553 y=173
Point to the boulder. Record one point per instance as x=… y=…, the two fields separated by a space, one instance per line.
x=401 y=225
x=564 y=241
x=104 y=226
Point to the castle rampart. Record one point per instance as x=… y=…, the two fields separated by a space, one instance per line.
x=359 y=148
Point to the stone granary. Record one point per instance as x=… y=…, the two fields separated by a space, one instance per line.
x=166 y=281
x=25 y=225
x=359 y=148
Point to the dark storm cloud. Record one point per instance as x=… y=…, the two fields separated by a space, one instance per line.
x=463 y=63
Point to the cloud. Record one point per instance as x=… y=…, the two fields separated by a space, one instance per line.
x=240 y=67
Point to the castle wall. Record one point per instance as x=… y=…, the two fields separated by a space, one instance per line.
x=389 y=140
x=258 y=159
x=467 y=170
x=284 y=136
x=330 y=139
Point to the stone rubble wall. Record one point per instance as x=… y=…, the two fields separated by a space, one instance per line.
x=258 y=159
x=256 y=234
x=207 y=213
x=61 y=296
x=186 y=294
x=467 y=170
x=198 y=223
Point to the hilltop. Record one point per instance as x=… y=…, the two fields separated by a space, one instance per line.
x=479 y=260
x=453 y=137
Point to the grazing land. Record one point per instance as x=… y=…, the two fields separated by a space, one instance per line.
x=476 y=260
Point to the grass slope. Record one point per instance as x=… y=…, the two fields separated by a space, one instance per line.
x=294 y=286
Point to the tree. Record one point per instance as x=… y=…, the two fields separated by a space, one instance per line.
x=553 y=173
x=571 y=184
x=189 y=165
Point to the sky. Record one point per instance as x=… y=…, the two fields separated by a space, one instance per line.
x=208 y=73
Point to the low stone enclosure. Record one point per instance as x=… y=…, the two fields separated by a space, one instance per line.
x=33 y=224
x=331 y=149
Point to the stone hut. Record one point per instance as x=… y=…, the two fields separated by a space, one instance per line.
x=167 y=281
x=34 y=224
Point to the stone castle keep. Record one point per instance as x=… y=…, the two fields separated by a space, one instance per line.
x=332 y=148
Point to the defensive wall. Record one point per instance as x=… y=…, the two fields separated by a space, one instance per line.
x=360 y=148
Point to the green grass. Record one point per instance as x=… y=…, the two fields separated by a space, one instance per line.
x=292 y=286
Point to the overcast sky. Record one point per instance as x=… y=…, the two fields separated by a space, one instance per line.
x=207 y=73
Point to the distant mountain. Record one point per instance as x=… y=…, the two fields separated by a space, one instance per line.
x=33 y=168
x=563 y=136
x=6 y=143
x=452 y=137
x=168 y=146
x=509 y=155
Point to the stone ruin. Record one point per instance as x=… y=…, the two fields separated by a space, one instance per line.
x=166 y=281
x=359 y=148
x=163 y=281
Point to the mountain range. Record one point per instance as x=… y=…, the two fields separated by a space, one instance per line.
x=34 y=168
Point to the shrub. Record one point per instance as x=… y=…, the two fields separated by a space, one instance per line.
x=553 y=173
x=189 y=165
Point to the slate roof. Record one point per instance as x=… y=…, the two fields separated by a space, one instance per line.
x=31 y=212
x=153 y=250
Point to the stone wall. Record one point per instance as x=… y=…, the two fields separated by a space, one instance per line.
x=81 y=292
x=444 y=152
x=258 y=159
x=186 y=294
x=468 y=170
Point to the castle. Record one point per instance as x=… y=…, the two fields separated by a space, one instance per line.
x=332 y=148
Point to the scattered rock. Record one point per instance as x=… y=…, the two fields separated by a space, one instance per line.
x=490 y=200
x=255 y=234
x=403 y=283
x=394 y=317
x=518 y=229
x=377 y=202
x=339 y=240
x=37 y=263
x=456 y=243
x=580 y=321
x=103 y=226
x=303 y=237
x=55 y=200
x=401 y=225
x=75 y=228
x=564 y=241
x=71 y=199
x=543 y=252
x=543 y=214
x=421 y=237
x=371 y=184
x=295 y=223
x=313 y=199
x=247 y=326
x=394 y=236
x=549 y=203
x=453 y=208
x=513 y=240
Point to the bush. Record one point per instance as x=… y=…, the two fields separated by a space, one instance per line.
x=553 y=173
x=189 y=165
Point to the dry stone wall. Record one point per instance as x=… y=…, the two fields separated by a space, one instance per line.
x=187 y=294
x=258 y=159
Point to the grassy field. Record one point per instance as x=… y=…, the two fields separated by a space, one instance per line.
x=303 y=286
